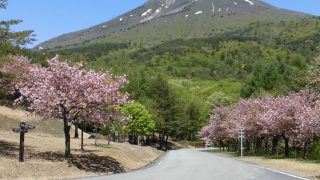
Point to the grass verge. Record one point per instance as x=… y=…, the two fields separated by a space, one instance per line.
x=304 y=168
x=44 y=152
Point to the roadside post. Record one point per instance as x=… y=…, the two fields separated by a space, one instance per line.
x=241 y=135
x=22 y=130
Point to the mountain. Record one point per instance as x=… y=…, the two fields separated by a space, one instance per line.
x=158 y=21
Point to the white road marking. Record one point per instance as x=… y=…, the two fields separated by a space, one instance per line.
x=291 y=175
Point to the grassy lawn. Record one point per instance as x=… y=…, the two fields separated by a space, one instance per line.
x=44 y=152
x=305 y=168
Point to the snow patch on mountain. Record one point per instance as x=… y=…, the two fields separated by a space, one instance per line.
x=198 y=12
x=151 y=15
x=213 y=8
x=146 y=13
x=250 y=2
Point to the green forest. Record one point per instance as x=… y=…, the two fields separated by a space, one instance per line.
x=181 y=81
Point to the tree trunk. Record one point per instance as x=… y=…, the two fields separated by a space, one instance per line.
x=305 y=150
x=286 y=145
x=124 y=137
x=138 y=141
x=82 y=139
x=190 y=136
x=275 y=145
x=67 y=137
x=109 y=137
x=148 y=139
x=76 y=135
x=95 y=136
x=258 y=145
x=236 y=146
x=153 y=137
x=119 y=137
x=266 y=145
x=113 y=136
x=221 y=145
x=160 y=140
x=167 y=137
x=248 y=145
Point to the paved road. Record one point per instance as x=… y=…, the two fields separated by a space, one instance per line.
x=194 y=164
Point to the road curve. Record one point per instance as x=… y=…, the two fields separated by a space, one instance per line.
x=194 y=164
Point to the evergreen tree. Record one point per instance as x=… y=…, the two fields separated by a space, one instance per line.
x=14 y=38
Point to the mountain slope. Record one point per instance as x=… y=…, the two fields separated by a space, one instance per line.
x=161 y=20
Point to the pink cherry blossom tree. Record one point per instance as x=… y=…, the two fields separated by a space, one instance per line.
x=219 y=128
x=294 y=118
x=247 y=115
x=308 y=118
x=70 y=93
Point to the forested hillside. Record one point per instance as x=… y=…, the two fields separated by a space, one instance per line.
x=182 y=80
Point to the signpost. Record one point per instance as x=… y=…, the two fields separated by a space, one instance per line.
x=22 y=130
x=241 y=136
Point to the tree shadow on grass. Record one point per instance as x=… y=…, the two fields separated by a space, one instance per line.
x=11 y=150
x=86 y=162
x=8 y=149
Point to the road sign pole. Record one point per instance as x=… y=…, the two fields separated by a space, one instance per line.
x=241 y=136
x=241 y=142
x=21 y=148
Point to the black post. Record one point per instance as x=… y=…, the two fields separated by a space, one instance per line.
x=82 y=137
x=76 y=127
x=21 y=148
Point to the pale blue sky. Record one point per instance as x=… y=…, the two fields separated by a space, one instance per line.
x=50 y=18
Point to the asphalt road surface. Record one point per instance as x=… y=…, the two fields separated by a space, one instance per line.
x=194 y=164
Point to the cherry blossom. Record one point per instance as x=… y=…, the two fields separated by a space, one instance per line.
x=70 y=93
x=294 y=118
